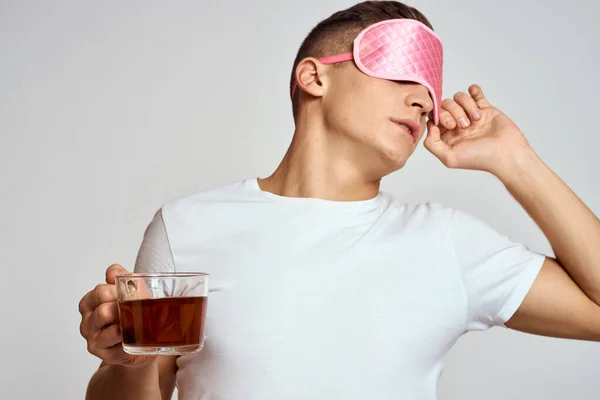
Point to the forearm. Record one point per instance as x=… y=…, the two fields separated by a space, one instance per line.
x=569 y=225
x=118 y=382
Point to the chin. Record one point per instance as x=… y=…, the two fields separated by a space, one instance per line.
x=395 y=165
x=396 y=156
x=386 y=154
x=387 y=163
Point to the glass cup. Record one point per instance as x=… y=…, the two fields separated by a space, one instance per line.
x=162 y=313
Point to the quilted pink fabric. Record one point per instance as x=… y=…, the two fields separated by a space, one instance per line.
x=402 y=49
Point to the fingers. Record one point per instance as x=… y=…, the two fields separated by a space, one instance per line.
x=113 y=271
x=102 y=317
x=116 y=355
x=109 y=337
x=102 y=293
x=110 y=355
x=453 y=115
x=105 y=314
x=100 y=322
x=469 y=106
x=477 y=95
x=455 y=136
x=438 y=147
x=463 y=109
x=102 y=331
x=98 y=309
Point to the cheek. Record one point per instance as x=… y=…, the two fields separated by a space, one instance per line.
x=360 y=105
x=349 y=111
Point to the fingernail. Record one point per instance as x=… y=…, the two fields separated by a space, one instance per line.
x=450 y=122
x=476 y=114
x=463 y=121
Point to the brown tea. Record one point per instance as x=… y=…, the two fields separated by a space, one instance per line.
x=163 y=322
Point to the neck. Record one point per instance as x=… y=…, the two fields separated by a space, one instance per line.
x=316 y=168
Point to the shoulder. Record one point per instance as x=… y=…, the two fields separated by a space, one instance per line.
x=449 y=216
x=452 y=222
x=225 y=192
x=425 y=213
x=213 y=197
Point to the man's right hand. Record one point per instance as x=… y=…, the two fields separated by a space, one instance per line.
x=100 y=323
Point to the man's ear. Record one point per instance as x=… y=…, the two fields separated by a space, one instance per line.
x=311 y=76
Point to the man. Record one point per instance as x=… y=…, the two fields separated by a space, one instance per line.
x=332 y=289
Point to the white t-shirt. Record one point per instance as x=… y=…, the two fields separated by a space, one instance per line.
x=317 y=299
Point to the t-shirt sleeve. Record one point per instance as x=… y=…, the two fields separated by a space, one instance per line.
x=155 y=253
x=497 y=273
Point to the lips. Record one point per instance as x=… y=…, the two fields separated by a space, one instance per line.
x=408 y=125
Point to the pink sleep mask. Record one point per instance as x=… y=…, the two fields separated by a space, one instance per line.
x=399 y=50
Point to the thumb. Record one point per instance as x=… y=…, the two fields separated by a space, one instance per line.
x=113 y=271
x=434 y=143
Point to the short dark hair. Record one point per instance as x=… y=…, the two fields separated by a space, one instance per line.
x=336 y=34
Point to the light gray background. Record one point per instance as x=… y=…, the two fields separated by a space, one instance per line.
x=109 y=109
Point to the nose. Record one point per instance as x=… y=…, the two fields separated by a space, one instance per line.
x=419 y=97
